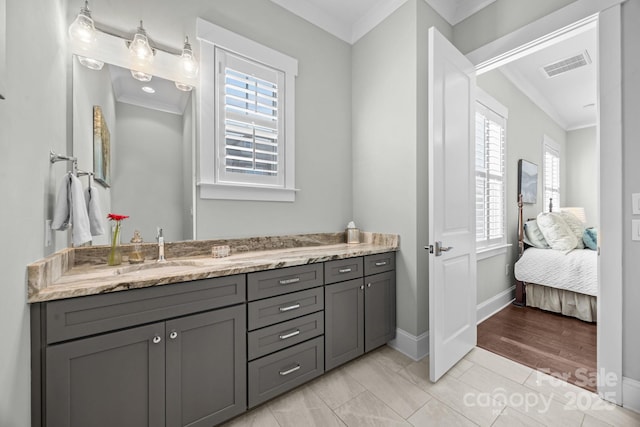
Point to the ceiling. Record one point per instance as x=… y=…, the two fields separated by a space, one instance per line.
x=350 y=20
x=563 y=97
x=569 y=98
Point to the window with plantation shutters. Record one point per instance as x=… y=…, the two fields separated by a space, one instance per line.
x=551 y=174
x=490 y=177
x=246 y=118
x=251 y=122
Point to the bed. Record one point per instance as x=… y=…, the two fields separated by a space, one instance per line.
x=562 y=281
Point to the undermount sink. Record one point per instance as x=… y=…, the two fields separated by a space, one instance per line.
x=152 y=265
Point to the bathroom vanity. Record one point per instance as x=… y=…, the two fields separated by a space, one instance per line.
x=200 y=340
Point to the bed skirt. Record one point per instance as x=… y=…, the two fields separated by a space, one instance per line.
x=562 y=301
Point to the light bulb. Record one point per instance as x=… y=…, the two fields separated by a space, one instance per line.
x=139 y=48
x=90 y=63
x=184 y=87
x=82 y=29
x=141 y=75
x=188 y=62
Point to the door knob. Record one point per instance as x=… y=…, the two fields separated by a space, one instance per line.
x=437 y=249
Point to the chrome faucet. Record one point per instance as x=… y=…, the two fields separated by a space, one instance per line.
x=160 y=239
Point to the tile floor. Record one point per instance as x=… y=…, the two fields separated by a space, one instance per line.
x=386 y=388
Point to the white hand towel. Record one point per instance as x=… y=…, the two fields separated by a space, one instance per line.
x=95 y=212
x=61 y=218
x=71 y=210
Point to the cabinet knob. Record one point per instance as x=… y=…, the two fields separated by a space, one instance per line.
x=368 y=285
x=173 y=335
x=362 y=287
x=157 y=339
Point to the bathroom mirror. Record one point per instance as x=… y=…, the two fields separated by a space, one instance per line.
x=142 y=140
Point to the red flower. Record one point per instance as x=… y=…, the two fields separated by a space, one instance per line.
x=116 y=217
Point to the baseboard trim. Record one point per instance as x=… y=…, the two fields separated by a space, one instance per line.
x=415 y=347
x=631 y=394
x=488 y=308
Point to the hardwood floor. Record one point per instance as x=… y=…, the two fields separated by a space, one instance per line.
x=561 y=346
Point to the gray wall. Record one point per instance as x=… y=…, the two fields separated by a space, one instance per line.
x=631 y=154
x=389 y=146
x=34 y=118
x=526 y=126
x=499 y=19
x=323 y=126
x=147 y=172
x=582 y=172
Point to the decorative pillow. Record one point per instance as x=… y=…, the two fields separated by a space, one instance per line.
x=533 y=236
x=590 y=238
x=576 y=226
x=556 y=232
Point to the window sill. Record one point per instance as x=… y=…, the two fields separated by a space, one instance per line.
x=246 y=192
x=492 y=251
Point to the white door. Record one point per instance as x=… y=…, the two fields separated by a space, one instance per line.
x=452 y=269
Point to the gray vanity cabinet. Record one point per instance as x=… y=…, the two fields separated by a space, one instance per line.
x=206 y=368
x=115 y=379
x=379 y=309
x=344 y=322
x=172 y=356
x=360 y=314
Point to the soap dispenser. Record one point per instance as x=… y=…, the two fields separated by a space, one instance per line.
x=136 y=256
x=353 y=234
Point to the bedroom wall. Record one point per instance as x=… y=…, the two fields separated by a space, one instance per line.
x=582 y=172
x=526 y=126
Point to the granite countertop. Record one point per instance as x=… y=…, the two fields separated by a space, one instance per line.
x=81 y=271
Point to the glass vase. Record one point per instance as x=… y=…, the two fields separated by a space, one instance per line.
x=115 y=253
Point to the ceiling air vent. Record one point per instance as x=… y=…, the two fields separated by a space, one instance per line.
x=567 y=64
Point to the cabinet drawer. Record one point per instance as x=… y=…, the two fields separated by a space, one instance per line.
x=379 y=263
x=270 y=283
x=342 y=269
x=89 y=315
x=285 y=307
x=274 y=374
x=285 y=334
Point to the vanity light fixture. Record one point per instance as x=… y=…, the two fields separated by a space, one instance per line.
x=82 y=29
x=141 y=49
x=141 y=54
x=148 y=89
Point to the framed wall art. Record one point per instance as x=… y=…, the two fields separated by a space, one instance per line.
x=101 y=148
x=527 y=181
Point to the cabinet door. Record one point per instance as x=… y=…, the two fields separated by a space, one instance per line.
x=344 y=327
x=380 y=309
x=206 y=367
x=116 y=379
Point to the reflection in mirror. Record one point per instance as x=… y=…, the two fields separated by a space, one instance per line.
x=150 y=153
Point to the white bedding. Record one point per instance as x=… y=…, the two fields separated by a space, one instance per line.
x=574 y=271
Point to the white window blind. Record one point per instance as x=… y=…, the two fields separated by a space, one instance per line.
x=250 y=122
x=551 y=153
x=490 y=177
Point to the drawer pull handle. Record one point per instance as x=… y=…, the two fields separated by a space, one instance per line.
x=290 y=334
x=381 y=263
x=344 y=270
x=289 y=308
x=289 y=281
x=289 y=371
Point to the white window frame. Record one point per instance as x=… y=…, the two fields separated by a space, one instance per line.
x=552 y=147
x=487 y=248
x=210 y=183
